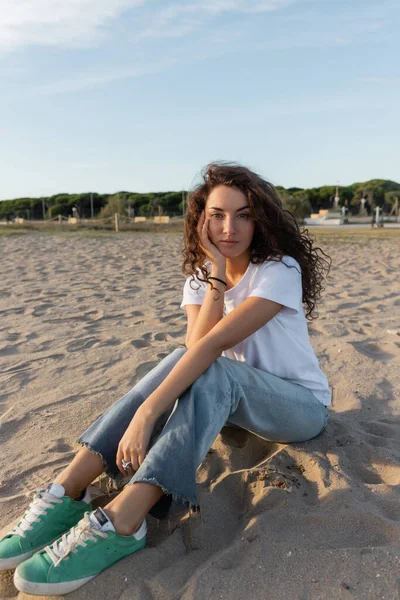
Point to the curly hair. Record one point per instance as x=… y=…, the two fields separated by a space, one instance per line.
x=276 y=231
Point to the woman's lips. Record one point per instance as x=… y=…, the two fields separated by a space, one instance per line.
x=228 y=243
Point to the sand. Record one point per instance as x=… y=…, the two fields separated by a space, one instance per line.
x=82 y=318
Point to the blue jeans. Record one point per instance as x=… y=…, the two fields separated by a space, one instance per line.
x=228 y=392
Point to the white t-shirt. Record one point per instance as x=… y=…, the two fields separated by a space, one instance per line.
x=282 y=346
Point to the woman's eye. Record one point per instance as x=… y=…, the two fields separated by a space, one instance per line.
x=243 y=216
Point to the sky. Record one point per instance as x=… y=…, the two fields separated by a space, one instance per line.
x=139 y=95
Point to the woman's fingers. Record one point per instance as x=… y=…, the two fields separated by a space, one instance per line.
x=205 y=242
x=204 y=237
x=141 y=456
x=118 y=460
x=124 y=454
x=132 y=455
x=134 y=461
x=203 y=232
x=138 y=456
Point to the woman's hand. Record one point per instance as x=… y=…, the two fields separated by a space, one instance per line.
x=209 y=249
x=135 y=441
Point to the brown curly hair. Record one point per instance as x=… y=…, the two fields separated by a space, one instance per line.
x=276 y=231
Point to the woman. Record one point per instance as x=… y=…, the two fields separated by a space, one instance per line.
x=247 y=361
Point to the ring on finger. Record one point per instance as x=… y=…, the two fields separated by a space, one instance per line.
x=126 y=464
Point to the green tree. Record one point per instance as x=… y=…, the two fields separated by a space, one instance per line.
x=145 y=210
x=116 y=203
x=296 y=203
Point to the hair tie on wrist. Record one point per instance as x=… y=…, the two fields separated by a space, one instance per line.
x=220 y=280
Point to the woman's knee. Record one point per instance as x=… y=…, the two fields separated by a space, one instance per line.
x=214 y=378
x=211 y=372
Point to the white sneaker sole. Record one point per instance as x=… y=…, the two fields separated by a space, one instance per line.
x=14 y=561
x=48 y=589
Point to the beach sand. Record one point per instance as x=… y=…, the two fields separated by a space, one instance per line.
x=83 y=317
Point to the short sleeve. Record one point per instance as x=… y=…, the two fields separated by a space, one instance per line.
x=281 y=283
x=192 y=295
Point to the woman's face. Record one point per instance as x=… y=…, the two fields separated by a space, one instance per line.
x=231 y=227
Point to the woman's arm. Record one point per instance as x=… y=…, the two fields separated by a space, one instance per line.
x=212 y=307
x=238 y=325
x=211 y=310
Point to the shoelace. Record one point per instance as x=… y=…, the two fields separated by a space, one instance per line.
x=77 y=536
x=42 y=501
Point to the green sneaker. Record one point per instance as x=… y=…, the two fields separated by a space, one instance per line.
x=49 y=515
x=77 y=557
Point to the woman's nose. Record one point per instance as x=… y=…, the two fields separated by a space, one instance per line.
x=229 y=225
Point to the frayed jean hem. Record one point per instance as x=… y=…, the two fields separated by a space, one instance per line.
x=177 y=498
x=92 y=450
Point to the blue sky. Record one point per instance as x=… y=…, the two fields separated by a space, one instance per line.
x=107 y=95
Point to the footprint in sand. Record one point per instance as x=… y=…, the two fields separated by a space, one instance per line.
x=140 y=343
x=42 y=309
x=82 y=344
x=378 y=352
x=162 y=355
x=346 y=305
x=13 y=337
x=144 y=368
x=9 y=350
x=165 y=337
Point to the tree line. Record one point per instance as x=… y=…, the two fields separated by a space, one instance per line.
x=301 y=202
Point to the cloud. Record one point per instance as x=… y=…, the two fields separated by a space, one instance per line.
x=92 y=23
x=179 y=19
x=88 y=23
x=67 y=23
x=85 y=23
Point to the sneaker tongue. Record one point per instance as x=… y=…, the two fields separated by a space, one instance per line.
x=56 y=490
x=99 y=519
